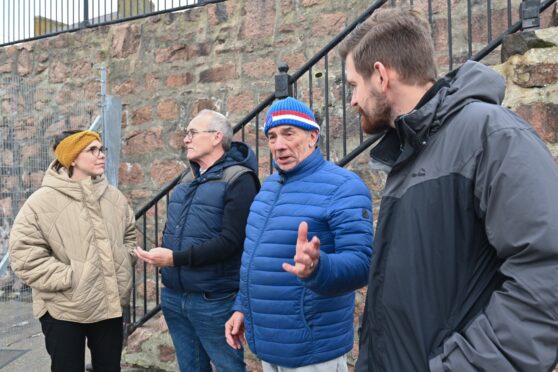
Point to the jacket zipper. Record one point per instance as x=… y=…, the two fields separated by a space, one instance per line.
x=281 y=182
x=186 y=210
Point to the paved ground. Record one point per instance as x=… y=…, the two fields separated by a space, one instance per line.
x=20 y=331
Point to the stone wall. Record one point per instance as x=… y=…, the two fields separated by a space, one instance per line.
x=167 y=68
x=531 y=71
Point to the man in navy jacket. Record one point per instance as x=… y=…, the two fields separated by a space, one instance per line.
x=308 y=247
x=203 y=244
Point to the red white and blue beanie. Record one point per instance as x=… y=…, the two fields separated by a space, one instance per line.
x=290 y=111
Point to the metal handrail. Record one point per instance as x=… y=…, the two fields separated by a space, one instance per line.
x=513 y=29
x=336 y=40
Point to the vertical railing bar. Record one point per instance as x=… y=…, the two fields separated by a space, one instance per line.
x=344 y=103
x=157 y=243
x=145 y=265
x=23 y=19
x=469 y=30
x=360 y=132
x=326 y=111
x=86 y=12
x=489 y=20
x=134 y=295
x=509 y=13
x=295 y=89
x=258 y=138
x=310 y=93
x=8 y=30
x=450 y=51
x=430 y=18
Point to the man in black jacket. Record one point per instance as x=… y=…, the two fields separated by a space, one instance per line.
x=202 y=244
x=465 y=272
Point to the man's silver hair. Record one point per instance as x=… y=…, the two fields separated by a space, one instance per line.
x=219 y=122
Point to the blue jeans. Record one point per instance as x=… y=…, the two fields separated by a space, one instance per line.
x=196 y=323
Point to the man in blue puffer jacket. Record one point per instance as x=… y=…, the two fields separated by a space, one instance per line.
x=202 y=242
x=296 y=298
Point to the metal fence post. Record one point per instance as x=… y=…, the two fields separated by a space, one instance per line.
x=282 y=87
x=530 y=17
x=85 y=22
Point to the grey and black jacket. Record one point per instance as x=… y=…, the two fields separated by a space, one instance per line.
x=465 y=271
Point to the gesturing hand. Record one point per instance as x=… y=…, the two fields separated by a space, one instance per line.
x=157 y=256
x=307 y=254
x=234 y=330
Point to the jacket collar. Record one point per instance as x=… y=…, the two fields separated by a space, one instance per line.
x=87 y=187
x=412 y=130
x=308 y=165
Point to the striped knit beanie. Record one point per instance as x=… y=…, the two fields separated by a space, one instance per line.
x=290 y=111
x=69 y=148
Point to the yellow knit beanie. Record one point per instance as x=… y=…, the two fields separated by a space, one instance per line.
x=69 y=148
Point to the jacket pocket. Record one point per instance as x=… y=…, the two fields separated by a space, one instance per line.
x=303 y=312
x=78 y=268
x=216 y=297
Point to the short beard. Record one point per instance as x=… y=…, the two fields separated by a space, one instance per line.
x=378 y=120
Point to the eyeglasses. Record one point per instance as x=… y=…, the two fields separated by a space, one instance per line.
x=192 y=132
x=96 y=151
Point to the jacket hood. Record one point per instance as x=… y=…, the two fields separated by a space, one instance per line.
x=471 y=82
x=238 y=154
x=61 y=182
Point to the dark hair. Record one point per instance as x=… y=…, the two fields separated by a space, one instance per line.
x=398 y=38
x=57 y=139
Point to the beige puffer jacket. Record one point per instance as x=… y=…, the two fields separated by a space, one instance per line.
x=72 y=243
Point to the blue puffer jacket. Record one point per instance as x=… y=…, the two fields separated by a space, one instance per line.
x=195 y=216
x=291 y=322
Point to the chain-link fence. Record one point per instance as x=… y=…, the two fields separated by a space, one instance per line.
x=30 y=117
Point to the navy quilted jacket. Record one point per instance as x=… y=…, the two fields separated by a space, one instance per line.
x=292 y=322
x=197 y=230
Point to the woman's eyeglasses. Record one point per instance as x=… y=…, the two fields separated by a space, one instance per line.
x=96 y=151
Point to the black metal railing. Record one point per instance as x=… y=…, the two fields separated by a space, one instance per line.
x=25 y=20
x=321 y=83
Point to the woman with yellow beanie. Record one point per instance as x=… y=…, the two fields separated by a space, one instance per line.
x=72 y=242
